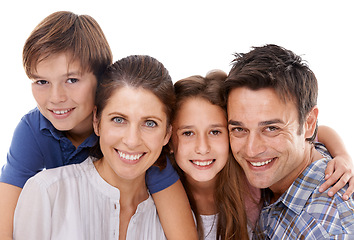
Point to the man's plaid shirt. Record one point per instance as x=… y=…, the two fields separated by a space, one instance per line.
x=302 y=212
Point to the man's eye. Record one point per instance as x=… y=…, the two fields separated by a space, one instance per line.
x=150 y=123
x=272 y=128
x=72 y=80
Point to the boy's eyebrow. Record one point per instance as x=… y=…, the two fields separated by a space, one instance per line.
x=74 y=73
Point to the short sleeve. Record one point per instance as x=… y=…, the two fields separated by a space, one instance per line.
x=24 y=158
x=157 y=180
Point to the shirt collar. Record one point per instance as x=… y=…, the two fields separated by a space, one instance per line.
x=301 y=189
x=47 y=128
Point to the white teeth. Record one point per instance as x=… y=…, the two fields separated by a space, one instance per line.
x=203 y=163
x=259 y=164
x=129 y=156
x=61 y=112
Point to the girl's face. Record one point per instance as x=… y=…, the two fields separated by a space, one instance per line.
x=133 y=130
x=200 y=139
x=64 y=94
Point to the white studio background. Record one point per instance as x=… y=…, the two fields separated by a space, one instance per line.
x=193 y=37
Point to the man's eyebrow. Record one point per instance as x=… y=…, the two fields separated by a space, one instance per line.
x=263 y=123
x=270 y=122
x=236 y=123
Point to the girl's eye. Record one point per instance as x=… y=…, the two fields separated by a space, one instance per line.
x=118 y=120
x=188 y=133
x=41 y=82
x=72 y=80
x=215 y=132
x=150 y=123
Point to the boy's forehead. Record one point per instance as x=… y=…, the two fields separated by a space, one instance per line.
x=63 y=62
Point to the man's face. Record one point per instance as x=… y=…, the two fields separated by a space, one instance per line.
x=265 y=139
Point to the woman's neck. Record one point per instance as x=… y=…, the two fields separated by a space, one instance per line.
x=132 y=193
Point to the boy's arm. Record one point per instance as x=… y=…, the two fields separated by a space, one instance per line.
x=340 y=170
x=175 y=212
x=8 y=199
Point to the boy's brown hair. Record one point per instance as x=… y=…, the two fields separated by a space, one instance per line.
x=66 y=32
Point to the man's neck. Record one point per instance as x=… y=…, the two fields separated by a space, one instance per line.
x=282 y=186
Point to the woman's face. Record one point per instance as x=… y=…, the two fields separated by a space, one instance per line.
x=133 y=130
x=200 y=139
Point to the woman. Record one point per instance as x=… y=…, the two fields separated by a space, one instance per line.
x=106 y=196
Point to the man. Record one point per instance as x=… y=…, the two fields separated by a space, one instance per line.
x=272 y=113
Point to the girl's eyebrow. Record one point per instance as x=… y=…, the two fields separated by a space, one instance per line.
x=217 y=125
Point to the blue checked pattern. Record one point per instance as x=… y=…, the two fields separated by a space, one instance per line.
x=302 y=212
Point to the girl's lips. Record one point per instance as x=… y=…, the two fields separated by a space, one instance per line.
x=203 y=163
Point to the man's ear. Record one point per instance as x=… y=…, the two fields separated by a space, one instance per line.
x=96 y=123
x=311 y=123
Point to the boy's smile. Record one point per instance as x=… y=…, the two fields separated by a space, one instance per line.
x=65 y=95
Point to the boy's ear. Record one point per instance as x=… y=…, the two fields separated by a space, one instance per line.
x=95 y=122
x=311 y=123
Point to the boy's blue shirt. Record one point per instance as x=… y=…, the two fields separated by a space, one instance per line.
x=37 y=145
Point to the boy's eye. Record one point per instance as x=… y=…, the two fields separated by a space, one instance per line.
x=72 y=80
x=150 y=123
x=41 y=82
x=118 y=120
x=188 y=133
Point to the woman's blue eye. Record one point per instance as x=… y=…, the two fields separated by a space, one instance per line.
x=118 y=120
x=150 y=123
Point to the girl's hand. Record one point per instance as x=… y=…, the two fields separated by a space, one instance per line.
x=339 y=172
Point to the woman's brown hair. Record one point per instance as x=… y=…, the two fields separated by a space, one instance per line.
x=232 y=220
x=66 y=32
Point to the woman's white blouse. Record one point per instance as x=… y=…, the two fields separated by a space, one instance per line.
x=74 y=202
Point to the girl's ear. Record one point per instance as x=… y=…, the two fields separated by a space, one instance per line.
x=96 y=123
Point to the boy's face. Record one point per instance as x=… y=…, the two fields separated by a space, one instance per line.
x=64 y=94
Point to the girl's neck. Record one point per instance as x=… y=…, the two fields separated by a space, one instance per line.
x=204 y=195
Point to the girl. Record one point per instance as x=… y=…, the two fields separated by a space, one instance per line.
x=219 y=194
x=106 y=197
x=64 y=56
